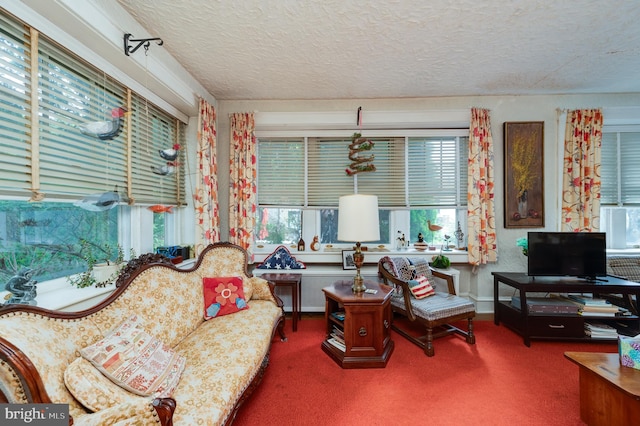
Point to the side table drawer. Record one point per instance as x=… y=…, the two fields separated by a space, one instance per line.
x=557 y=326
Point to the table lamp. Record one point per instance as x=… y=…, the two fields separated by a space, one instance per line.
x=358 y=221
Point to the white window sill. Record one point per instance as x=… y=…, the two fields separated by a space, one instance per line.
x=371 y=256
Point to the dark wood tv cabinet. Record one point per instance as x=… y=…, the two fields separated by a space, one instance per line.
x=557 y=326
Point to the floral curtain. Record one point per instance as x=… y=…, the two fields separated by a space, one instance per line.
x=481 y=223
x=581 y=171
x=206 y=194
x=242 y=181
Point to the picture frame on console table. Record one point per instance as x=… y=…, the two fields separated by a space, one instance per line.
x=347 y=259
x=524 y=174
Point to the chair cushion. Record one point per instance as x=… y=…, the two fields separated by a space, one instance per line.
x=421 y=287
x=136 y=361
x=438 y=306
x=223 y=296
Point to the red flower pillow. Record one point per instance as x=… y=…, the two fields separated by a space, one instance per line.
x=223 y=296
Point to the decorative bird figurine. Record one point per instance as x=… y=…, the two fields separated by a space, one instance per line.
x=105 y=130
x=163 y=170
x=170 y=154
x=433 y=228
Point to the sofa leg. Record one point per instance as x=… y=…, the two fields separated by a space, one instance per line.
x=283 y=337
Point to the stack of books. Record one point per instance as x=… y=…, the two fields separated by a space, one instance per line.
x=594 y=307
x=337 y=338
x=597 y=330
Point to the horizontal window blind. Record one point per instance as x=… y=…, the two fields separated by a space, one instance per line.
x=387 y=182
x=619 y=171
x=73 y=94
x=15 y=109
x=154 y=130
x=281 y=172
x=434 y=172
x=410 y=172
x=327 y=161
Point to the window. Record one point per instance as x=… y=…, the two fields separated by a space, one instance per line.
x=46 y=237
x=420 y=175
x=45 y=101
x=620 y=192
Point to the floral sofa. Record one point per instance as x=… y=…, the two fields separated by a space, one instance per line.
x=222 y=358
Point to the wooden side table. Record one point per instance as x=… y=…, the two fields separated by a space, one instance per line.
x=358 y=325
x=293 y=281
x=609 y=392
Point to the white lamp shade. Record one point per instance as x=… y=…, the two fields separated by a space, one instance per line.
x=358 y=218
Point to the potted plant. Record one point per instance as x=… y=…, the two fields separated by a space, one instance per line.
x=102 y=266
x=440 y=261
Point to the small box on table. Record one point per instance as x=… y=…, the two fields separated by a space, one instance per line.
x=629 y=351
x=173 y=252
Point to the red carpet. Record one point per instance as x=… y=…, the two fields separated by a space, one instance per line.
x=498 y=381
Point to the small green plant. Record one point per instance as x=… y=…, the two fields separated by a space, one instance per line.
x=440 y=261
x=95 y=255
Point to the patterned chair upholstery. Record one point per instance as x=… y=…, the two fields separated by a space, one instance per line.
x=435 y=313
x=627 y=267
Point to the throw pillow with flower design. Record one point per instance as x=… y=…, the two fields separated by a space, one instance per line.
x=223 y=296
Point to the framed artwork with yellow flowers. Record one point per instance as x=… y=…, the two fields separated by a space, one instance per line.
x=523 y=174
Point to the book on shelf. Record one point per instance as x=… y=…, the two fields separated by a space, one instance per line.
x=332 y=341
x=338 y=315
x=547 y=305
x=598 y=314
x=599 y=330
x=588 y=300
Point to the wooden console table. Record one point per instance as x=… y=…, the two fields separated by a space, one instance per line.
x=293 y=282
x=609 y=392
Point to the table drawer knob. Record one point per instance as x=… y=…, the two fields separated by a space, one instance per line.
x=556 y=326
x=362 y=332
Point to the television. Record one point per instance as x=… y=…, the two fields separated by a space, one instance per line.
x=574 y=254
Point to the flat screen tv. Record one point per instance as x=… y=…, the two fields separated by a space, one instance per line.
x=575 y=254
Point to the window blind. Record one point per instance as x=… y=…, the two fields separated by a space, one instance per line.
x=436 y=177
x=72 y=93
x=154 y=130
x=281 y=172
x=410 y=172
x=327 y=161
x=74 y=164
x=620 y=175
x=15 y=93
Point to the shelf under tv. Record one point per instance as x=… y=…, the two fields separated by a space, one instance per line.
x=562 y=326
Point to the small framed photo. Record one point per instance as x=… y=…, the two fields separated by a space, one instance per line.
x=347 y=259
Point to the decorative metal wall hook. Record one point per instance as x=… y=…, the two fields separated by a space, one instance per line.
x=128 y=49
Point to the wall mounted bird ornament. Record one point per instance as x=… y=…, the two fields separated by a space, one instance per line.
x=170 y=154
x=165 y=170
x=107 y=129
x=99 y=202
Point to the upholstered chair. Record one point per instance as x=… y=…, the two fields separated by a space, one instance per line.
x=431 y=311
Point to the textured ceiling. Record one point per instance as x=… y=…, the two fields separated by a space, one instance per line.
x=336 y=49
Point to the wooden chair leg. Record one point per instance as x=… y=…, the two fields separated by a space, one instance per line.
x=428 y=345
x=471 y=338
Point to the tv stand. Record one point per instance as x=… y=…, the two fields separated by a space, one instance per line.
x=550 y=326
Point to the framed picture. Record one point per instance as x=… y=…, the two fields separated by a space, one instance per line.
x=523 y=174
x=347 y=259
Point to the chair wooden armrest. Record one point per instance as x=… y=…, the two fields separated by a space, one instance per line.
x=446 y=277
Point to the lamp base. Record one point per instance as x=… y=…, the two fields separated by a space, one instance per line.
x=358 y=284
